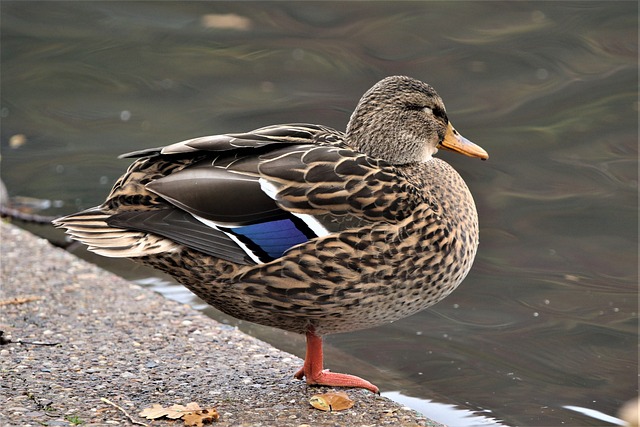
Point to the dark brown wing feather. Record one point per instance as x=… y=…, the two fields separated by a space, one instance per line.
x=316 y=180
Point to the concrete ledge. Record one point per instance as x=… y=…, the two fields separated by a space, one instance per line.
x=118 y=341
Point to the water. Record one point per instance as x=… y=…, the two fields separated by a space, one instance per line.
x=543 y=332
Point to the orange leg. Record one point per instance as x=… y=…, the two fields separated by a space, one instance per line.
x=315 y=375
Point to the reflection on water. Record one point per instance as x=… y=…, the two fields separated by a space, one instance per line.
x=446 y=414
x=545 y=323
x=597 y=415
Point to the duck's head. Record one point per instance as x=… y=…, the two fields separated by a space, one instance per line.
x=403 y=120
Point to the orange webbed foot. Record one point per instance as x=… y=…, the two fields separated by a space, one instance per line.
x=316 y=375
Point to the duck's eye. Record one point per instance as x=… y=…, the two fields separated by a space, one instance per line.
x=440 y=113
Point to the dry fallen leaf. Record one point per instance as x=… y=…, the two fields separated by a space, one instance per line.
x=201 y=417
x=176 y=411
x=193 y=406
x=156 y=411
x=192 y=414
x=338 y=401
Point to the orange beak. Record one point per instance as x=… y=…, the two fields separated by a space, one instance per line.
x=455 y=142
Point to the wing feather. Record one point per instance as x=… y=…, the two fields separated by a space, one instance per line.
x=320 y=180
x=246 y=197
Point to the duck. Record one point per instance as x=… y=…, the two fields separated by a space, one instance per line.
x=300 y=226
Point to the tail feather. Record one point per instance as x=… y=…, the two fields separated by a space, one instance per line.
x=90 y=227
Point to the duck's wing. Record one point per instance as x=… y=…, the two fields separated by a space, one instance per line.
x=334 y=182
x=202 y=193
x=267 y=201
x=247 y=198
x=287 y=134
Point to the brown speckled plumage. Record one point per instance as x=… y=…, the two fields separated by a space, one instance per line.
x=348 y=281
x=389 y=229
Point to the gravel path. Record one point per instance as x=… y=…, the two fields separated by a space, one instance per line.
x=117 y=341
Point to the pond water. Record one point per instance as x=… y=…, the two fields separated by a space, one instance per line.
x=544 y=330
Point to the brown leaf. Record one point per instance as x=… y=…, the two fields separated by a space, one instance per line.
x=338 y=401
x=193 y=406
x=192 y=414
x=156 y=411
x=176 y=411
x=200 y=417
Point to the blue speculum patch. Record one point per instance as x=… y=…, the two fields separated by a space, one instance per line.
x=273 y=237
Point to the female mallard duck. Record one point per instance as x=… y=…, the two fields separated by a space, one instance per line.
x=300 y=226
